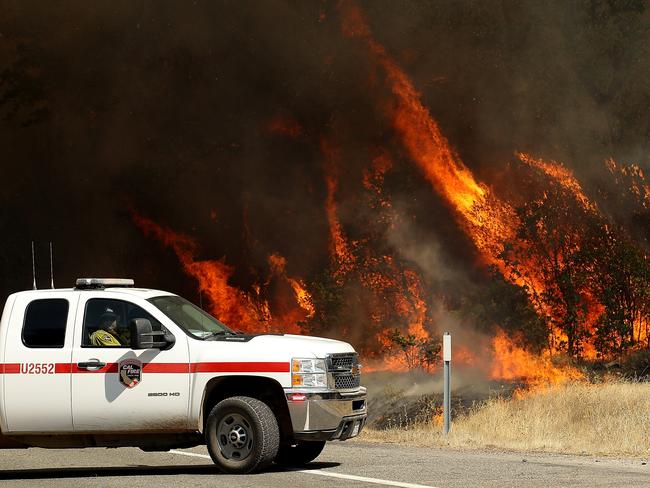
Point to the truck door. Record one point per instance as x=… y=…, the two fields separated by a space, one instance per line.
x=116 y=388
x=38 y=350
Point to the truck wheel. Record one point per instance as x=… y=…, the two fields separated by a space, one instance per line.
x=300 y=454
x=242 y=435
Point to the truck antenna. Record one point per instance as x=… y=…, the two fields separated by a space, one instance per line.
x=51 y=268
x=33 y=267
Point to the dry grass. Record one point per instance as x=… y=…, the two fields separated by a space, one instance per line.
x=605 y=419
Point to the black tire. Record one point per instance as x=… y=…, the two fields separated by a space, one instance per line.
x=242 y=435
x=300 y=454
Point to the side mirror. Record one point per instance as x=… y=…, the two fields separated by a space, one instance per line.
x=144 y=337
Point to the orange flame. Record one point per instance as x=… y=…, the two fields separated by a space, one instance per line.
x=342 y=257
x=512 y=362
x=387 y=276
x=373 y=179
x=228 y=303
x=562 y=175
x=417 y=309
x=394 y=293
x=408 y=305
x=303 y=297
x=462 y=355
x=633 y=178
x=487 y=220
x=248 y=312
x=641 y=331
x=278 y=265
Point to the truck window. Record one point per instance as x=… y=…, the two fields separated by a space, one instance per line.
x=189 y=317
x=45 y=322
x=107 y=322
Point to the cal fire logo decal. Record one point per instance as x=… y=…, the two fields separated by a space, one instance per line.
x=130 y=371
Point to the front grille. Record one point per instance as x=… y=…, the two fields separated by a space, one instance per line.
x=344 y=371
x=346 y=381
x=342 y=362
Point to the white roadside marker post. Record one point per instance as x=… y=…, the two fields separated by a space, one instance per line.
x=446 y=400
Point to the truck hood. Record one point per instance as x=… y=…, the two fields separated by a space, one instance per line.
x=267 y=348
x=298 y=345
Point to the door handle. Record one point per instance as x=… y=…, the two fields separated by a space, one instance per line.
x=93 y=363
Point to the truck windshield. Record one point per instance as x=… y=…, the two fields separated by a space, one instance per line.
x=190 y=318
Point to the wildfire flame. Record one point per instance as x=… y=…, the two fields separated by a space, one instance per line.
x=393 y=290
x=487 y=220
x=373 y=178
x=342 y=257
x=562 y=175
x=512 y=362
x=632 y=177
x=248 y=312
x=278 y=266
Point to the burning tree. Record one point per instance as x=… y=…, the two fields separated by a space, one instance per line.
x=416 y=352
x=622 y=285
x=548 y=256
x=587 y=278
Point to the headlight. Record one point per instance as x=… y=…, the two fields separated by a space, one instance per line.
x=309 y=373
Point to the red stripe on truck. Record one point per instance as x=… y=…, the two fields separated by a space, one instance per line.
x=62 y=368
x=168 y=368
x=11 y=368
x=240 y=367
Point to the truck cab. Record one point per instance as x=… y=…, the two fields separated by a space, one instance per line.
x=106 y=364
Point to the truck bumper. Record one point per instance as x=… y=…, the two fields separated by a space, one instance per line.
x=327 y=415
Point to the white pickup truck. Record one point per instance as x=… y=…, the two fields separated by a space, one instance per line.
x=105 y=364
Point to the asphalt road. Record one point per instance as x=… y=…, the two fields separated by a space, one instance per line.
x=349 y=464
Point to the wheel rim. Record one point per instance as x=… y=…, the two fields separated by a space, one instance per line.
x=235 y=436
